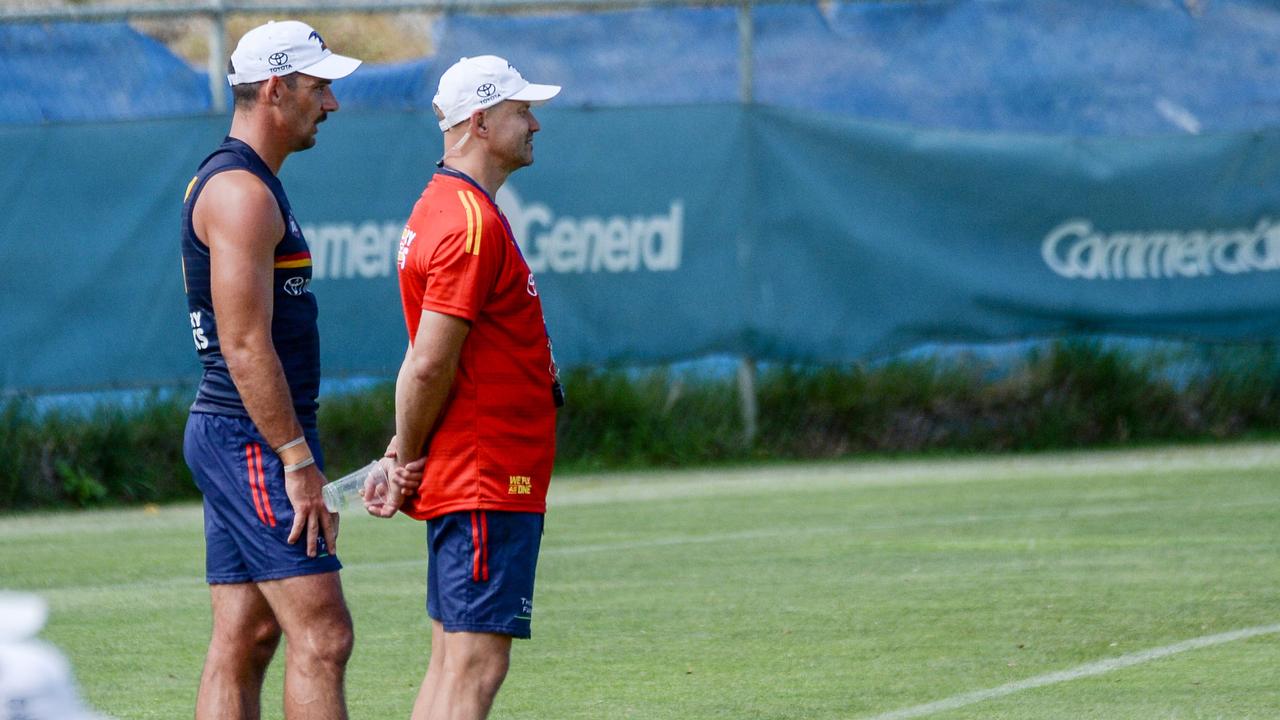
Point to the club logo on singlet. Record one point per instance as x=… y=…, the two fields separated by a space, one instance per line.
x=532 y=287
x=296 y=285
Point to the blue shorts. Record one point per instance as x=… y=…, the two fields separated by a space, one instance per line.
x=480 y=566
x=247 y=515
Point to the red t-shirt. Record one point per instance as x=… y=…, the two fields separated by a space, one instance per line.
x=494 y=443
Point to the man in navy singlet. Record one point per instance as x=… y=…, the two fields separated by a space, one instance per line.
x=251 y=437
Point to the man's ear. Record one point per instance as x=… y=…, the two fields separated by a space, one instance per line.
x=270 y=92
x=478 y=127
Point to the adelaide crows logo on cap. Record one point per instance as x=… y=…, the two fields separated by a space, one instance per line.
x=318 y=39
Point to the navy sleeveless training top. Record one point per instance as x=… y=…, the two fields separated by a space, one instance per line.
x=293 y=321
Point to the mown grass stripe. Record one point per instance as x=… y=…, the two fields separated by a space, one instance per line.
x=1100 y=667
x=356 y=567
x=666 y=485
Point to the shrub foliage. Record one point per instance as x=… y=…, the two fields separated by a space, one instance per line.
x=1067 y=395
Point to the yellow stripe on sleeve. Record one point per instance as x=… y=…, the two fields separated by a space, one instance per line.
x=471 y=221
x=475 y=205
x=190 y=185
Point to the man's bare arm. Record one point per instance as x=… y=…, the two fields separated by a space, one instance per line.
x=238 y=218
x=424 y=383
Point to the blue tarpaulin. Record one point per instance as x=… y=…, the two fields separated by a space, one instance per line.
x=1053 y=66
x=92 y=71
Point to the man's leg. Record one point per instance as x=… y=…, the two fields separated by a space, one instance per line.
x=435 y=669
x=245 y=636
x=473 y=668
x=480 y=568
x=318 y=640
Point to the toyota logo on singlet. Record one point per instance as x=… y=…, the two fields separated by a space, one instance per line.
x=278 y=59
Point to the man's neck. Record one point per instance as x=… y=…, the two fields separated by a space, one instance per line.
x=253 y=134
x=486 y=176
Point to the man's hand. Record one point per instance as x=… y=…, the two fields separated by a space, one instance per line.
x=405 y=480
x=375 y=490
x=385 y=493
x=309 y=513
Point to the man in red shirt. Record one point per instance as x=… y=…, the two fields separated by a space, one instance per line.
x=478 y=390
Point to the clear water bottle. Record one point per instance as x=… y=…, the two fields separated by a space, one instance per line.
x=348 y=490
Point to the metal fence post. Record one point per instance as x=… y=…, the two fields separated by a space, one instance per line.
x=746 y=95
x=746 y=52
x=218 y=57
x=747 y=399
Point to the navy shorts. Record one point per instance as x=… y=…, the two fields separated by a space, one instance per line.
x=480 y=567
x=247 y=515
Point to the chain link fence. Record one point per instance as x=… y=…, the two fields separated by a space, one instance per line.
x=379 y=31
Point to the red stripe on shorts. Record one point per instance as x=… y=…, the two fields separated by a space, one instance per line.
x=484 y=543
x=253 y=484
x=262 y=483
x=475 y=544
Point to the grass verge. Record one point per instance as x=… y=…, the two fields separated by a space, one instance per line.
x=828 y=590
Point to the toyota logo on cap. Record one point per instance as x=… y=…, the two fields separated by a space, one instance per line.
x=486 y=90
x=278 y=59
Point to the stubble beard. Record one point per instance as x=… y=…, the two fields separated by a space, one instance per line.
x=308 y=140
x=525 y=156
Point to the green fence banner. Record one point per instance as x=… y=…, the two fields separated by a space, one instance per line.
x=663 y=234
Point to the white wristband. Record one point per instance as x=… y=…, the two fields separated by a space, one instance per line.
x=300 y=464
x=292 y=443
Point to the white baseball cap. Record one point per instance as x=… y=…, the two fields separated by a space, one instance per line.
x=479 y=83
x=288 y=46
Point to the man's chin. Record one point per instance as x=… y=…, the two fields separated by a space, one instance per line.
x=517 y=162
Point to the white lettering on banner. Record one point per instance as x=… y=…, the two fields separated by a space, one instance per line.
x=594 y=244
x=341 y=251
x=616 y=244
x=1076 y=250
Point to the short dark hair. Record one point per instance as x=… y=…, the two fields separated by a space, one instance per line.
x=246 y=94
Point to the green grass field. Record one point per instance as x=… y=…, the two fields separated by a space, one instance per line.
x=821 y=590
